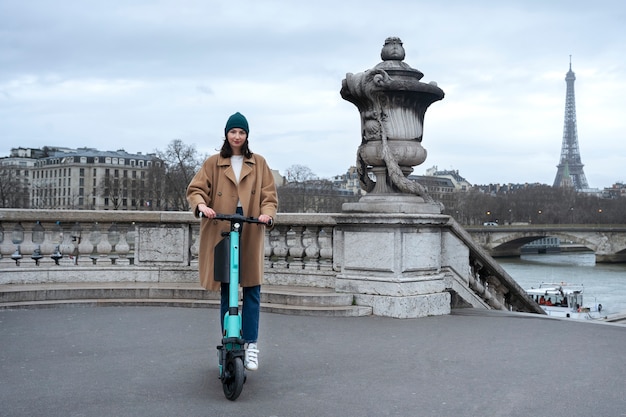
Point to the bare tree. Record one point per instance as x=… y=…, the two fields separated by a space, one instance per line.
x=535 y=204
x=152 y=187
x=13 y=192
x=114 y=189
x=299 y=174
x=292 y=197
x=181 y=163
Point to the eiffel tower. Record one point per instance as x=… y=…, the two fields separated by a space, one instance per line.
x=570 y=169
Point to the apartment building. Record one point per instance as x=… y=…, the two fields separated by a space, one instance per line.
x=86 y=178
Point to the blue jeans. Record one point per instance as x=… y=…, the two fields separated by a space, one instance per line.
x=249 y=313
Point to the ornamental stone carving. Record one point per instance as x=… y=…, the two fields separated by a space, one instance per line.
x=392 y=102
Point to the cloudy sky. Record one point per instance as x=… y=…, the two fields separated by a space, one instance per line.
x=136 y=74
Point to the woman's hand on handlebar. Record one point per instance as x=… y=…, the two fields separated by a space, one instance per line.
x=204 y=210
x=265 y=219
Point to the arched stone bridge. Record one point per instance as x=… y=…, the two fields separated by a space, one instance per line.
x=607 y=241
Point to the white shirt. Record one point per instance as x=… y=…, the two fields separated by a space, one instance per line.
x=236 y=162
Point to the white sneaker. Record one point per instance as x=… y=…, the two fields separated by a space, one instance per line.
x=251 y=361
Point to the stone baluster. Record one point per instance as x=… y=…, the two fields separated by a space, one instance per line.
x=272 y=238
x=38 y=235
x=56 y=239
x=130 y=239
x=325 y=242
x=76 y=237
x=1 y=240
x=479 y=281
x=474 y=277
x=101 y=247
x=104 y=246
x=29 y=247
x=278 y=237
x=95 y=236
x=268 y=250
x=194 y=249
x=3 y=246
x=113 y=237
x=122 y=247
x=47 y=246
x=296 y=250
x=69 y=245
x=311 y=247
x=497 y=290
x=43 y=233
x=85 y=248
x=490 y=295
x=8 y=247
x=17 y=237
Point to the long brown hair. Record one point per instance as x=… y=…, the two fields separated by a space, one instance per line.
x=227 y=151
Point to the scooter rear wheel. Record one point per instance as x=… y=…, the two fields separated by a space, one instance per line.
x=234 y=377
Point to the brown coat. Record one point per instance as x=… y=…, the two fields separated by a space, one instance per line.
x=216 y=186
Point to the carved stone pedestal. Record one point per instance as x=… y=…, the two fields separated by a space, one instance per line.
x=393 y=263
x=391 y=203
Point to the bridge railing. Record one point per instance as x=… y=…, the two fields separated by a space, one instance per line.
x=66 y=246
x=41 y=246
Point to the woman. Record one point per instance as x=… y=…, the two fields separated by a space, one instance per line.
x=235 y=181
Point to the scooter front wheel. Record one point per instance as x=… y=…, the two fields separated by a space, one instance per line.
x=234 y=377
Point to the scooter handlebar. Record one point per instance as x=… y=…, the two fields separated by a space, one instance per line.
x=236 y=217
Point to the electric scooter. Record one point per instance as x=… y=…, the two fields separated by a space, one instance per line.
x=226 y=270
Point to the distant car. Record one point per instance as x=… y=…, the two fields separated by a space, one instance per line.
x=490 y=224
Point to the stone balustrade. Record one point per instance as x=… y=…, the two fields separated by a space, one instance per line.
x=41 y=246
x=65 y=246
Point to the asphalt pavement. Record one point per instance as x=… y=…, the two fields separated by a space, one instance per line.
x=162 y=361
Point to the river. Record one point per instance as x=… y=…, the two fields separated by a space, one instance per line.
x=604 y=283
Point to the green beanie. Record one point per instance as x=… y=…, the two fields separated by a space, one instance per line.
x=236 y=120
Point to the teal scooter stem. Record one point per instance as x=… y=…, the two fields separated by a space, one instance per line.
x=226 y=270
x=232 y=319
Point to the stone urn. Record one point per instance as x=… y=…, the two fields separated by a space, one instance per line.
x=392 y=102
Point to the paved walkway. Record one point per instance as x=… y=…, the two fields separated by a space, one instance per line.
x=150 y=361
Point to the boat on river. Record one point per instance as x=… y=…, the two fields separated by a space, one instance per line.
x=564 y=300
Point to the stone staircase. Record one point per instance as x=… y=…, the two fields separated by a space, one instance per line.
x=293 y=300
